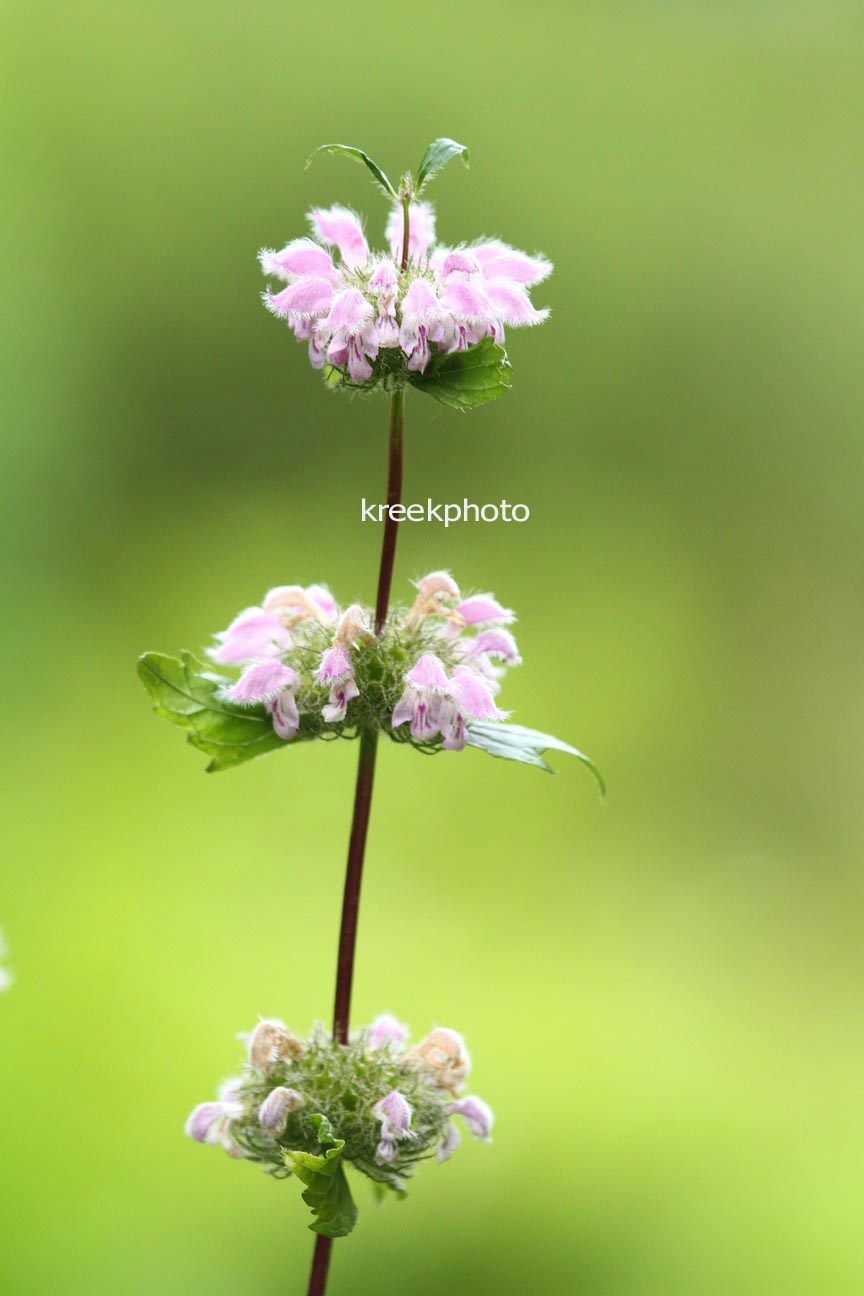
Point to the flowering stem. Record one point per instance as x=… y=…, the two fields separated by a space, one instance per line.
x=351 y=894
x=320 y=1265
x=406 y=232
x=362 y=802
x=394 y=496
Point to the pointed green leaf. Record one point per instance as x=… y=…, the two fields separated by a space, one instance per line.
x=187 y=694
x=437 y=155
x=327 y=1192
x=348 y=150
x=515 y=742
x=465 y=379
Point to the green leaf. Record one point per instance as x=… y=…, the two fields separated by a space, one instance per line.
x=465 y=379
x=327 y=1192
x=515 y=742
x=187 y=694
x=348 y=150
x=437 y=155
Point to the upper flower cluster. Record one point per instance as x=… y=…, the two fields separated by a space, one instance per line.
x=388 y=1105
x=369 y=314
x=319 y=670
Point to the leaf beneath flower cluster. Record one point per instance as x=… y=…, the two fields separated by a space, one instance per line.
x=515 y=742
x=327 y=1192
x=465 y=379
x=437 y=155
x=187 y=694
x=348 y=150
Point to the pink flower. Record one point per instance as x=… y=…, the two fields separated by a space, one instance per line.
x=300 y=257
x=497 y=644
x=308 y=298
x=350 y=309
x=483 y=609
x=263 y=681
x=426 y=686
x=286 y=717
x=423 y=321
x=342 y=229
x=211 y=1122
x=384 y=287
x=253 y=633
x=469 y=697
x=421 y=230
x=394 y=1113
x=476 y=1114
x=385 y=1030
x=353 y=334
x=337 y=670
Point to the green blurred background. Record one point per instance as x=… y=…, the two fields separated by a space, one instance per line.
x=663 y=994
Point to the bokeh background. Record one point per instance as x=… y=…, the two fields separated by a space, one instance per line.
x=663 y=993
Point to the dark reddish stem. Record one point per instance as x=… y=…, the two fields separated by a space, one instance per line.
x=394 y=496
x=320 y=1265
x=362 y=801
x=353 y=878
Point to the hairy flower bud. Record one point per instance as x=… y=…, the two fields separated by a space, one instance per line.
x=271 y=1043
x=273 y=1112
x=386 y=1030
x=443 y=1055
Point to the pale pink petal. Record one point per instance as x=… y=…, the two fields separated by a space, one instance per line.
x=321 y=595
x=428 y=673
x=253 y=633
x=201 y=1119
x=261 y=682
x=335 y=665
x=498 y=644
x=460 y=261
x=464 y=296
x=404 y=709
x=509 y=263
x=483 y=607
x=309 y=296
x=473 y=695
x=341 y=228
x=286 y=718
x=341 y=693
x=512 y=303
x=384 y=278
x=394 y=1112
x=489 y=249
x=386 y=1029
x=350 y=311
x=300 y=257
x=420 y=299
x=476 y=1114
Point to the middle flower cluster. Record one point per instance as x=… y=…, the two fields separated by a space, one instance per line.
x=321 y=671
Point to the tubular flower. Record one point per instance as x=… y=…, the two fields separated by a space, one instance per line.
x=370 y=1103
x=316 y=670
x=367 y=317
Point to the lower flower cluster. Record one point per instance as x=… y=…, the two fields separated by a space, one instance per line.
x=318 y=669
x=306 y=1107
